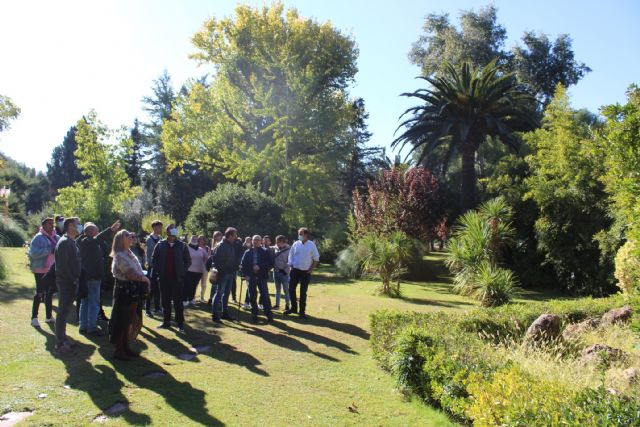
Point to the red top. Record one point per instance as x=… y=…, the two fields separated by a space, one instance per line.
x=169 y=264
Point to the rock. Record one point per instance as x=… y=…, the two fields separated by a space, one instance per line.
x=601 y=353
x=632 y=375
x=188 y=356
x=101 y=419
x=544 y=328
x=203 y=348
x=574 y=330
x=617 y=316
x=13 y=418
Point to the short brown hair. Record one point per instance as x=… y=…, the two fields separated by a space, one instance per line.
x=68 y=222
x=304 y=231
x=156 y=223
x=230 y=231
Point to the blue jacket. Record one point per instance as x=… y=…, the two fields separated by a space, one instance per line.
x=39 y=250
x=265 y=262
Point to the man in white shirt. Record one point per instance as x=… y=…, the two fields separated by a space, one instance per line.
x=303 y=258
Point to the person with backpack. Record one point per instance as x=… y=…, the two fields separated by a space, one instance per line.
x=41 y=258
x=154 y=294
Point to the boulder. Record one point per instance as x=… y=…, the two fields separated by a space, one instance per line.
x=617 y=316
x=574 y=330
x=601 y=353
x=632 y=375
x=544 y=328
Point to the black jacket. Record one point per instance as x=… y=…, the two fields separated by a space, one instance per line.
x=225 y=258
x=181 y=259
x=92 y=254
x=265 y=262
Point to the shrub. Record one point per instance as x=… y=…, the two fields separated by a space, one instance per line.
x=11 y=234
x=475 y=251
x=451 y=360
x=628 y=268
x=231 y=205
x=348 y=264
x=387 y=257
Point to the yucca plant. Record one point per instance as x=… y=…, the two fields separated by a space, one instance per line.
x=475 y=251
x=387 y=257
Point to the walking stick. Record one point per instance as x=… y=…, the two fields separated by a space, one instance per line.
x=240 y=297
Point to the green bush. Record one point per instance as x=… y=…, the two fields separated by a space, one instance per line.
x=231 y=205
x=450 y=360
x=475 y=251
x=628 y=268
x=148 y=218
x=348 y=264
x=11 y=234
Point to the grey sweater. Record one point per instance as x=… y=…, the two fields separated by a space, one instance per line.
x=68 y=263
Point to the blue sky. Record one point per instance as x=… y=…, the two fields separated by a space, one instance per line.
x=60 y=59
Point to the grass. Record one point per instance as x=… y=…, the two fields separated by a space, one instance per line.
x=293 y=372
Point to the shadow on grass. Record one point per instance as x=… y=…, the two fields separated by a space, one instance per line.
x=345 y=328
x=435 y=303
x=12 y=291
x=198 y=336
x=105 y=389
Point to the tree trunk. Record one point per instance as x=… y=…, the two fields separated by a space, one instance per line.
x=468 y=190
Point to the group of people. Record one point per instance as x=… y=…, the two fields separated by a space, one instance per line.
x=68 y=257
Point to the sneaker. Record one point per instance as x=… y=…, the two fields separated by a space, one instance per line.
x=260 y=307
x=35 y=323
x=246 y=306
x=286 y=307
x=192 y=302
x=181 y=329
x=148 y=314
x=164 y=326
x=185 y=304
x=50 y=320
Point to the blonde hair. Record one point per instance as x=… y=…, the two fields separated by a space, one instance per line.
x=118 y=242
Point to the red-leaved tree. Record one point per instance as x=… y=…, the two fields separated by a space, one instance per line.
x=399 y=200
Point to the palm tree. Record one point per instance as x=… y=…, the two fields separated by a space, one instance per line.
x=461 y=109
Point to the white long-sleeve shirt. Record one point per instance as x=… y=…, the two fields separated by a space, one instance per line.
x=303 y=255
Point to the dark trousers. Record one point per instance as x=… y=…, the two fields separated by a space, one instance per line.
x=154 y=293
x=303 y=278
x=171 y=291
x=259 y=284
x=43 y=294
x=190 y=284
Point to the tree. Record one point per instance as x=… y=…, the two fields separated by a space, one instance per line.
x=100 y=197
x=171 y=189
x=135 y=155
x=462 y=107
x=231 y=205
x=63 y=170
x=543 y=65
x=540 y=63
x=399 y=200
x=8 y=111
x=277 y=112
x=565 y=184
x=620 y=142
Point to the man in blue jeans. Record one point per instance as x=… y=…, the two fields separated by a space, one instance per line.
x=281 y=270
x=256 y=264
x=90 y=244
x=225 y=260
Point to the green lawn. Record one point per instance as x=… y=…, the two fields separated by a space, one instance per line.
x=290 y=373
